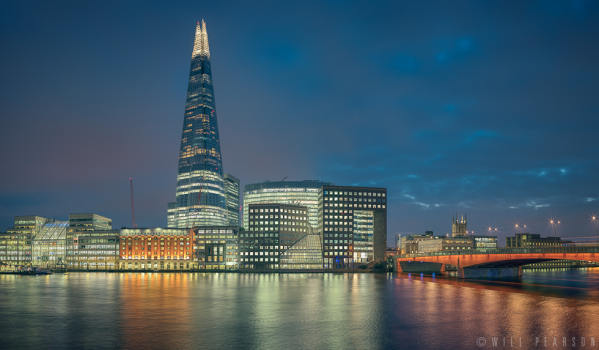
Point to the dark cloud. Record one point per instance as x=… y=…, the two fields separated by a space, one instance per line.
x=477 y=107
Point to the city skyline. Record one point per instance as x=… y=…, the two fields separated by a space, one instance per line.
x=526 y=162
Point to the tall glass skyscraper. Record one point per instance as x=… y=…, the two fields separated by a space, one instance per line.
x=200 y=196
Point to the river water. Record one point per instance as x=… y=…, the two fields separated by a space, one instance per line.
x=297 y=311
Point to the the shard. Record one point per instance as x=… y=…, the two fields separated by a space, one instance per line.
x=200 y=195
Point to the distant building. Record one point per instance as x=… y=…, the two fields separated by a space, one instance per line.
x=353 y=222
x=94 y=250
x=90 y=242
x=156 y=249
x=533 y=240
x=484 y=242
x=305 y=193
x=459 y=226
x=216 y=247
x=16 y=243
x=82 y=222
x=272 y=230
x=232 y=199
x=48 y=246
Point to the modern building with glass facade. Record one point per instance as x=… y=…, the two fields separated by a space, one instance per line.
x=232 y=193
x=95 y=250
x=353 y=222
x=216 y=248
x=48 y=246
x=156 y=249
x=85 y=222
x=305 y=193
x=272 y=230
x=16 y=243
x=200 y=195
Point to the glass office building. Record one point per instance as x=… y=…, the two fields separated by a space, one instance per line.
x=353 y=223
x=96 y=250
x=216 y=248
x=200 y=195
x=305 y=193
x=15 y=244
x=48 y=247
x=232 y=199
x=273 y=230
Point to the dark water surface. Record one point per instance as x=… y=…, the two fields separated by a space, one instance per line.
x=289 y=311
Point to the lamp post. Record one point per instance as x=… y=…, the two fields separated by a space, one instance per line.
x=595 y=224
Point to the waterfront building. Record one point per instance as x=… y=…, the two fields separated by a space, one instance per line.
x=94 y=250
x=353 y=222
x=232 y=193
x=272 y=230
x=200 y=195
x=459 y=226
x=15 y=244
x=305 y=193
x=485 y=242
x=48 y=246
x=156 y=249
x=216 y=247
x=90 y=242
x=534 y=240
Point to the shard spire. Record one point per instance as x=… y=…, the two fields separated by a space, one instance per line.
x=200 y=43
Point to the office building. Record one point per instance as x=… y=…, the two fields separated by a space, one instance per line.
x=353 y=221
x=90 y=242
x=216 y=248
x=232 y=193
x=485 y=242
x=272 y=230
x=200 y=195
x=305 y=193
x=16 y=243
x=85 y=222
x=48 y=246
x=94 y=250
x=533 y=240
x=156 y=249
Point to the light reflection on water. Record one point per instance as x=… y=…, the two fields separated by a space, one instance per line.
x=272 y=311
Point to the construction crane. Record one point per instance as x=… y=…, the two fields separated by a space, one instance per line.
x=133 y=224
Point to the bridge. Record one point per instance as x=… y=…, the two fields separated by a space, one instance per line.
x=492 y=263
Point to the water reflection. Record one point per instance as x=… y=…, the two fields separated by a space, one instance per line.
x=274 y=311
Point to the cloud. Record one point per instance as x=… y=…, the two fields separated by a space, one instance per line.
x=409 y=196
x=536 y=205
x=590 y=199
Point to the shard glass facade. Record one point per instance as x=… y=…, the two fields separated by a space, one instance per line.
x=200 y=195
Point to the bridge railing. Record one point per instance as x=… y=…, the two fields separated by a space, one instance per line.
x=554 y=250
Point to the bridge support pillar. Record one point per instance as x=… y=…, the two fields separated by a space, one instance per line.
x=490 y=272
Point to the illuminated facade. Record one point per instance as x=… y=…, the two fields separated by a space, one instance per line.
x=85 y=222
x=272 y=230
x=94 y=250
x=534 y=240
x=156 y=249
x=459 y=226
x=305 y=193
x=200 y=196
x=216 y=248
x=90 y=243
x=48 y=246
x=232 y=199
x=16 y=243
x=353 y=223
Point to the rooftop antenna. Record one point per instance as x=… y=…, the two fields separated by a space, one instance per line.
x=132 y=203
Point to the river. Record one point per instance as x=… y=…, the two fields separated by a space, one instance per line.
x=297 y=311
